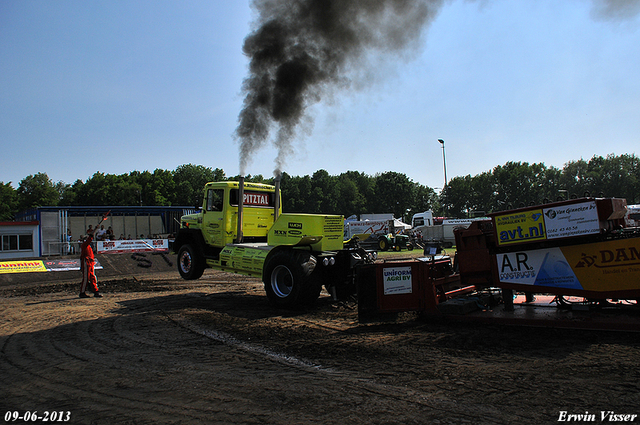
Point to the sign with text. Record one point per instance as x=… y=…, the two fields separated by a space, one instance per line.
x=25 y=266
x=523 y=226
x=67 y=265
x=260 y=199
x=139 y=245
x=601 y=267
x=571 y=220
x=397 y=280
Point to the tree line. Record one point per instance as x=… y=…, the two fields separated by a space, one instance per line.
x=507 y=186
x=349 y=193
x=518 y=184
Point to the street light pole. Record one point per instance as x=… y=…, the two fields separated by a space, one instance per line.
x=444 y=161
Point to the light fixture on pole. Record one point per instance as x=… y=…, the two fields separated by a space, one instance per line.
x=444 y=162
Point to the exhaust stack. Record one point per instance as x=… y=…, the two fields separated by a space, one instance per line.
x=239 y=236
x=276 y=207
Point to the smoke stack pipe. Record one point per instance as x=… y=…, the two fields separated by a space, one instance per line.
x=277 y=201
x=240 y=207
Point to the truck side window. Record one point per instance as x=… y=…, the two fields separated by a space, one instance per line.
x=214 y=199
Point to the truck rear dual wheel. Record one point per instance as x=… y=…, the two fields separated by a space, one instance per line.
x=290 y=281
x=190 y=264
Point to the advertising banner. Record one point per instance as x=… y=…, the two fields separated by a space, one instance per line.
x=397 y=280
x=571 y=220
x=67 y=265
x=602 y=266
x=525 y=226
x=544 y=267
x=611 y=264
x=25 y=266
x=140 y=245
x=548 y=223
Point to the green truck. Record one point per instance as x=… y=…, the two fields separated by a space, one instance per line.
x=241 y=229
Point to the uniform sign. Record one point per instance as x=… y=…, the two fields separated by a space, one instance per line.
x=397 y=280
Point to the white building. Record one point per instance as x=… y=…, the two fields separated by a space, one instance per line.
x=19 y=239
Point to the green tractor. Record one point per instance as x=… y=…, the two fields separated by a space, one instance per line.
x=394 y=242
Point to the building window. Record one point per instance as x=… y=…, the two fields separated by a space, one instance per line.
x=25 y=242
x=17 y=243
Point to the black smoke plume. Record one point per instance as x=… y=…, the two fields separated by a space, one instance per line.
x=615 y=10
x=302 y=50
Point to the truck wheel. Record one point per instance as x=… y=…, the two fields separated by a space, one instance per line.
x=289 y=280
x=383 y=244
x=190 y=265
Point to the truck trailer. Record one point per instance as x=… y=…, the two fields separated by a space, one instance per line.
x=573 y=263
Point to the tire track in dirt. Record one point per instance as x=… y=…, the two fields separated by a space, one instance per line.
x=107 y=366
x=217 y=353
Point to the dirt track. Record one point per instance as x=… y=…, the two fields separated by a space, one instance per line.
x=161 y=350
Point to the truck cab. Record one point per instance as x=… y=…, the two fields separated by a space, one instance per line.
x=218 y=218
x=241 y=229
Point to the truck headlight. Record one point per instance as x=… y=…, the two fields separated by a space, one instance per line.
x=328 y=261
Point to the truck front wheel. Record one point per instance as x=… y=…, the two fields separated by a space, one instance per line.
x=289 y=280
x=190 y=264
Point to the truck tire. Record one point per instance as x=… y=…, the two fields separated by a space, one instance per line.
x=290 y=281
x=190 y=264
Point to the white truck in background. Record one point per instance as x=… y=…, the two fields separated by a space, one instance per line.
x=632 y=218
x=425 y=229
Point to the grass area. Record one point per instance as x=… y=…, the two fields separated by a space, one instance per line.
x=388 y=255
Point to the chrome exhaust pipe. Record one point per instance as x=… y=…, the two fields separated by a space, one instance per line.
x=276 y=207
x=239 y=235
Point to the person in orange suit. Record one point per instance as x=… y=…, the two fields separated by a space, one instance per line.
x=87 y=263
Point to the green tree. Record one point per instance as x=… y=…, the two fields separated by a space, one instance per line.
x=456 y=197
x=8 y=202
x=297 y=194
x=324 y=194
x=394 y=192
x=189 y=180
x=361 y=195
x=37 y=190
x=425 y=198
x=349 y=200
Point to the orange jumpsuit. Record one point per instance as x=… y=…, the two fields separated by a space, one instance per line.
x=87 y=261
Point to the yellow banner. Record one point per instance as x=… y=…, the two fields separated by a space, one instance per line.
x=22 y=266
x=606 y=266
x=520 y=227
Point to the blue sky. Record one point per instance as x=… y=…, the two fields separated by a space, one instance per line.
x=92 y=86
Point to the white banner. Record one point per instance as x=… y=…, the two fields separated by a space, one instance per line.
x=546 y=267
x=571 y=220
x=397 y=280
x=138 y=245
